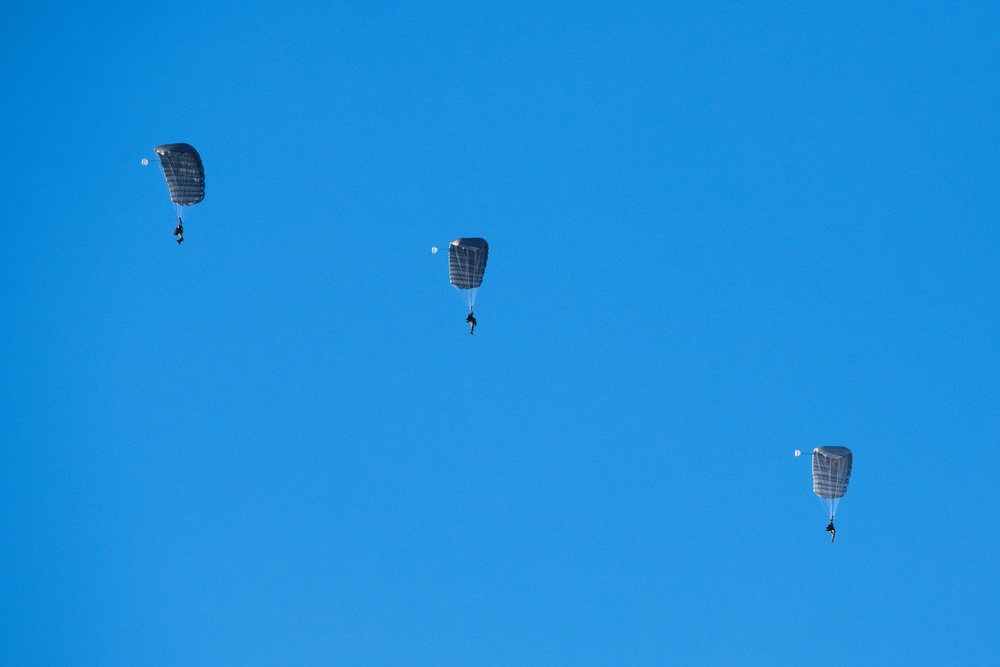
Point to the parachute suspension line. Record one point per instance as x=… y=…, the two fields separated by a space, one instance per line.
x=828 y=506
x=163 y=173
x=840 y=480
x=477 y=264
x=472 y=290
x=172 y=176
x=838 y=477
x=480 y=266
x=178 y=209
x=461 y=292
x=470 y=268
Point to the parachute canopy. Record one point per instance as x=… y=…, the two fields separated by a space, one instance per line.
x=467 y=262
x=184 y=172
x=466 y=266
x=831 y=473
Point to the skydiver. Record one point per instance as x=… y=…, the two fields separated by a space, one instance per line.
x=830 y=529
x=471 y=319
x=179 y=231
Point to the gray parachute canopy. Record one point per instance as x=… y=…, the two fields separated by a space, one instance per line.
x=467 y=262
x=466 y=266
x=184 y=172
x=831 y=473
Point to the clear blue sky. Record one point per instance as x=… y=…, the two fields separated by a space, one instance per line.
x=717 y=235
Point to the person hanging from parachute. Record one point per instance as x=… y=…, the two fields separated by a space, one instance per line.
x=185 y=176
x=466 y=267
x=831 y=467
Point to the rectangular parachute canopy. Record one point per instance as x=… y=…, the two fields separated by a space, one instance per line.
x=831 y=471
x=467 y=262
x=184 y=172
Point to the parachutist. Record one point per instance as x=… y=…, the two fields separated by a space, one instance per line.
x=466 y=265
x=185 y=175
x=831 y=474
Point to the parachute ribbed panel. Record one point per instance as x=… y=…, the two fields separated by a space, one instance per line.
x=184 y=172
x=467 y=262
x=831 y=471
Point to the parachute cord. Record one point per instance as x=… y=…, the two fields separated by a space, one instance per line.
x=477 y=265
x=472 y=270
x=163 y=173
x=172 y=175
x=178 y=209
x=827 y=505
x=840 y=479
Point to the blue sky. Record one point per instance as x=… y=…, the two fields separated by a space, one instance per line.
x=717 y=235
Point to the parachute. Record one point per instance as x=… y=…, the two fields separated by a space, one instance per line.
x=185 y=174
x=466 y=266
x=831 y=473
